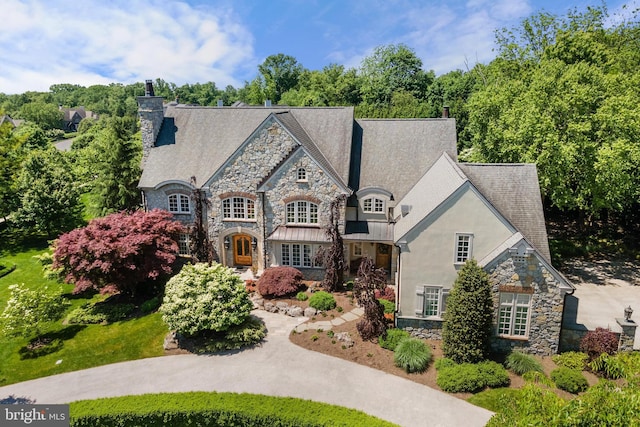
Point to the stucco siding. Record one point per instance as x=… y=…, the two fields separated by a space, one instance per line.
x=428 y=256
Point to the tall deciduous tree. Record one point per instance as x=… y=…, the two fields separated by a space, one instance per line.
x=280 y=73
x=466 y=331
x=119 y=252
x=390 y=69
x=49 y=198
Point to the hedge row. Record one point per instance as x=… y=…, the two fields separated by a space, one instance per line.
x=214 y=409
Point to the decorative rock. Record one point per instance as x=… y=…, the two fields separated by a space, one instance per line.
x=345 y=339
x=295 y=311
x=310 y=312
x=171 y=341
x=258 y=302
x=270 y=307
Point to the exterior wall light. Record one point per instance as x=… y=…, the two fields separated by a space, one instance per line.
x=227 y=242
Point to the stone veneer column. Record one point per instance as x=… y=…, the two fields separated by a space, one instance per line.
x=627 y=337
x=151 y=112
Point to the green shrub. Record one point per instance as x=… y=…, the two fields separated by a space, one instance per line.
x=471 y=378
x=536 y=377
x=569 y=380
x=302 y=296
x=412 y=355
x=248 y=333
x=205 y=297
x=322 y=301
x=389 y=307
x=214 y=409
x=571 y=359
x=393 y=337
x=494 y=374
x=150 y=305
x=101 y=312
x=520 y=363
x=444 y=363
x=609 y=366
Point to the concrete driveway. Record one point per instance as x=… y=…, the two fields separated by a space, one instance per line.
x=277 y=368
x=603 y=290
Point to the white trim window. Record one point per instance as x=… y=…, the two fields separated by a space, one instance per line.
x=357 y=249
x=184 y=244
x=238 y=208
x=464 y=247
x=179 y=203
x=373 y=205
x=513 y=315
x=431 y=301
x=302 y=212
x=302 y=174
x=299 y=255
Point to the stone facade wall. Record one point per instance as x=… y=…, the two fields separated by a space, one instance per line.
x=547 y=302
x=151 y=112
x=159 y=199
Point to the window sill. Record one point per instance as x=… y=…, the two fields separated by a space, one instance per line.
x=238 y=220
x=514 y=337
x=302 y=181
x=179 y=213
x=301 y=224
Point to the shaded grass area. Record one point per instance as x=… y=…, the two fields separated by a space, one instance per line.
x=83 y=346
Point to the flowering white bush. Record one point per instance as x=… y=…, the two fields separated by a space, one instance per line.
x=28 y=310
x=205 y=298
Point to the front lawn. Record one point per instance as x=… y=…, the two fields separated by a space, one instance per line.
x=83 y=346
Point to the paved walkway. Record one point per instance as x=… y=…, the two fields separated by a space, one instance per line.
x=277 y=368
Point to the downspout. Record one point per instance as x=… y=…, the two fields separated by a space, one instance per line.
x=144 y=201
x=264 y=232
x=398 y=273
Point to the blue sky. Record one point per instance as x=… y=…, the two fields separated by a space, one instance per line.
x=44 y=42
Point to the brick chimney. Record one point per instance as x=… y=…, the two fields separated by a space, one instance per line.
x=151 y=110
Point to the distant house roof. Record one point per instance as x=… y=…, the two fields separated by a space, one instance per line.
x=13 y=122
x=196 y=141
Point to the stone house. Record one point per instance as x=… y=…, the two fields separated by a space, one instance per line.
x=269 y=174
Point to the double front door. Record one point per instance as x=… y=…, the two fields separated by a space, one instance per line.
x=242 y=249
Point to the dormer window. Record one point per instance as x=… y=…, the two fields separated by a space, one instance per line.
x=302 y=175
x=373 y=205
x=179 y=203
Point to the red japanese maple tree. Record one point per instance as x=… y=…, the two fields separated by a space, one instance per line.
x=118 y=252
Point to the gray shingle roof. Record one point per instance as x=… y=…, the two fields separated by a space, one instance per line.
x=396 y=153
x=514 y=190
x=196 y=141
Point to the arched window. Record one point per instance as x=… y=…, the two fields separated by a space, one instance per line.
x=179 y=203
x=302 y=174
x=238 y=208
x=302 y=212
x=373 y=205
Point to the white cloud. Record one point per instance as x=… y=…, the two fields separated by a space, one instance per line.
x=96 y=42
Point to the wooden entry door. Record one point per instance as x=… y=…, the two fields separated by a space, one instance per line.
x=242 y=249
x=383 y=256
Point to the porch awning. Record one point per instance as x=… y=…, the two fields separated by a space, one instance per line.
x=368 y=231
x=299 y=234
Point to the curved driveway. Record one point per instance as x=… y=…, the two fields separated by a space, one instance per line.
x=277 y=368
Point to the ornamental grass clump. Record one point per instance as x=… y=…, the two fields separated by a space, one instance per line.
x=205 y=298
x=520 y=363
x=412 y=355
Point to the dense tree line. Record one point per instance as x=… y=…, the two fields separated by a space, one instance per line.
x=561 y=93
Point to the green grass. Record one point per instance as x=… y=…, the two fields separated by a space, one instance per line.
x=490 y=399
x=84 y=346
